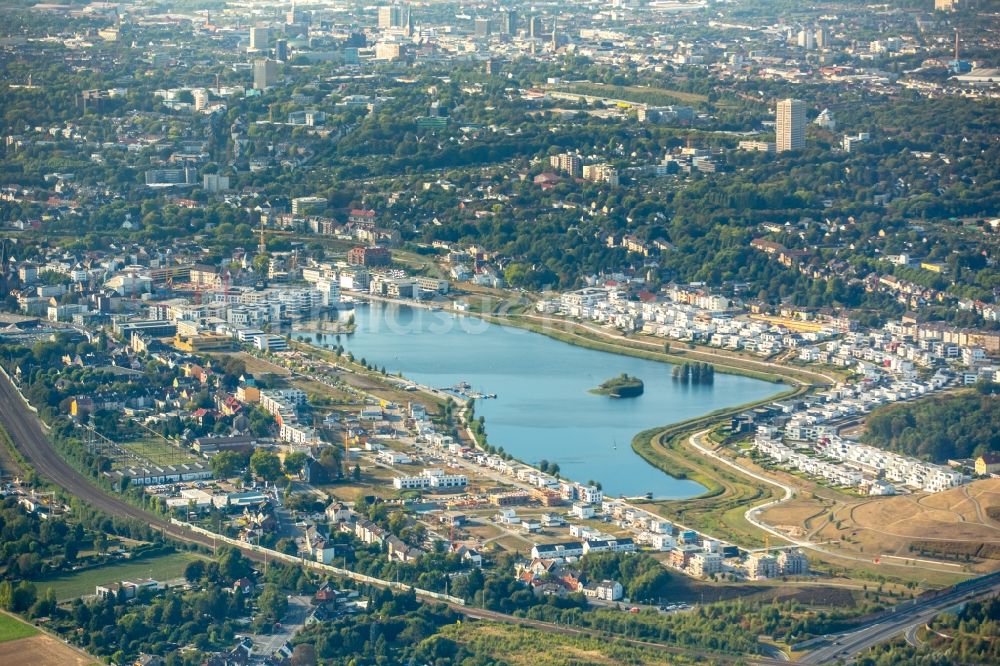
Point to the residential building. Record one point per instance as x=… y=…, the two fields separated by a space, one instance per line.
x=851 y=141
x=303 y=206
x=761 y=565
x=265 y=73
x=369 y=256
x=434 y=479
x=988 y=463
x=213 y=182
x=606 y=590
x=705 y=564
x=791 y=125
x=568 y=163
x=792 y=563
x=552 y=551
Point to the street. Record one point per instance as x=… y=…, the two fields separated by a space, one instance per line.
x=298 y=610
x=849 y=645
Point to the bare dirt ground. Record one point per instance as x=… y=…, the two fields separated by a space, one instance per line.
x=897 y=526
x=42 y=650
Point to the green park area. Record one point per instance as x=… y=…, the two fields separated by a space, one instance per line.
x=80 y=583
x=12 y=629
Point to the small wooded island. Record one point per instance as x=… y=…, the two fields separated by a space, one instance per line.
x=621 y=386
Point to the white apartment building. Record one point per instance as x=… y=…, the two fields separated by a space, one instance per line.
x=705 y=564
x=430 y=478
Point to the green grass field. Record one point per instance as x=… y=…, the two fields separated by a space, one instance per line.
x=158 y=452
x=11 y=628
x=162 y=568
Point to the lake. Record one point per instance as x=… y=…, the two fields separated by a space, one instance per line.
x=543 y=410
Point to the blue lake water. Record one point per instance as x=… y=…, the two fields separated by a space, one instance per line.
x=543 y=409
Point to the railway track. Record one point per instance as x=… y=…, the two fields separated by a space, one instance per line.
x=26 y=433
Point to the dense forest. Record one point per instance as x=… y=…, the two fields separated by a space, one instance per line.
x=938 y=429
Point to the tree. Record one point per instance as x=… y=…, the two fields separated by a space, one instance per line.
x=304 y=654
x=261 y=263
x=295 y=462
x=266 y=465
x=232 y=565
x=272 y=604
x=356 y=472
x=194 y=571
x=329 y=459
x=23 y=597
x=227 y=464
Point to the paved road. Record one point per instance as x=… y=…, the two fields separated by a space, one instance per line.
x=849 y=645
x=291 y=624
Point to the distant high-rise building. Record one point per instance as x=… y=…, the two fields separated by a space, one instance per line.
x=258 y=39
x=200 y=96
x=213 y=182
x=791 y=125
x=265 y=74
x=281 y=50
x=296 y=15
x=392 y=16
x=806 y=40
x=508 y=22
x=535 y=27
x=822 y=38
x=385 y=17
x=482 y=27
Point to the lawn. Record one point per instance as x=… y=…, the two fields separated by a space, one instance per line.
x=158 y=452
x=71 y=586
x=12 y=629
x=522 y=646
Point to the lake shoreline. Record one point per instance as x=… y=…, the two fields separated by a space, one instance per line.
x=388 y=335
